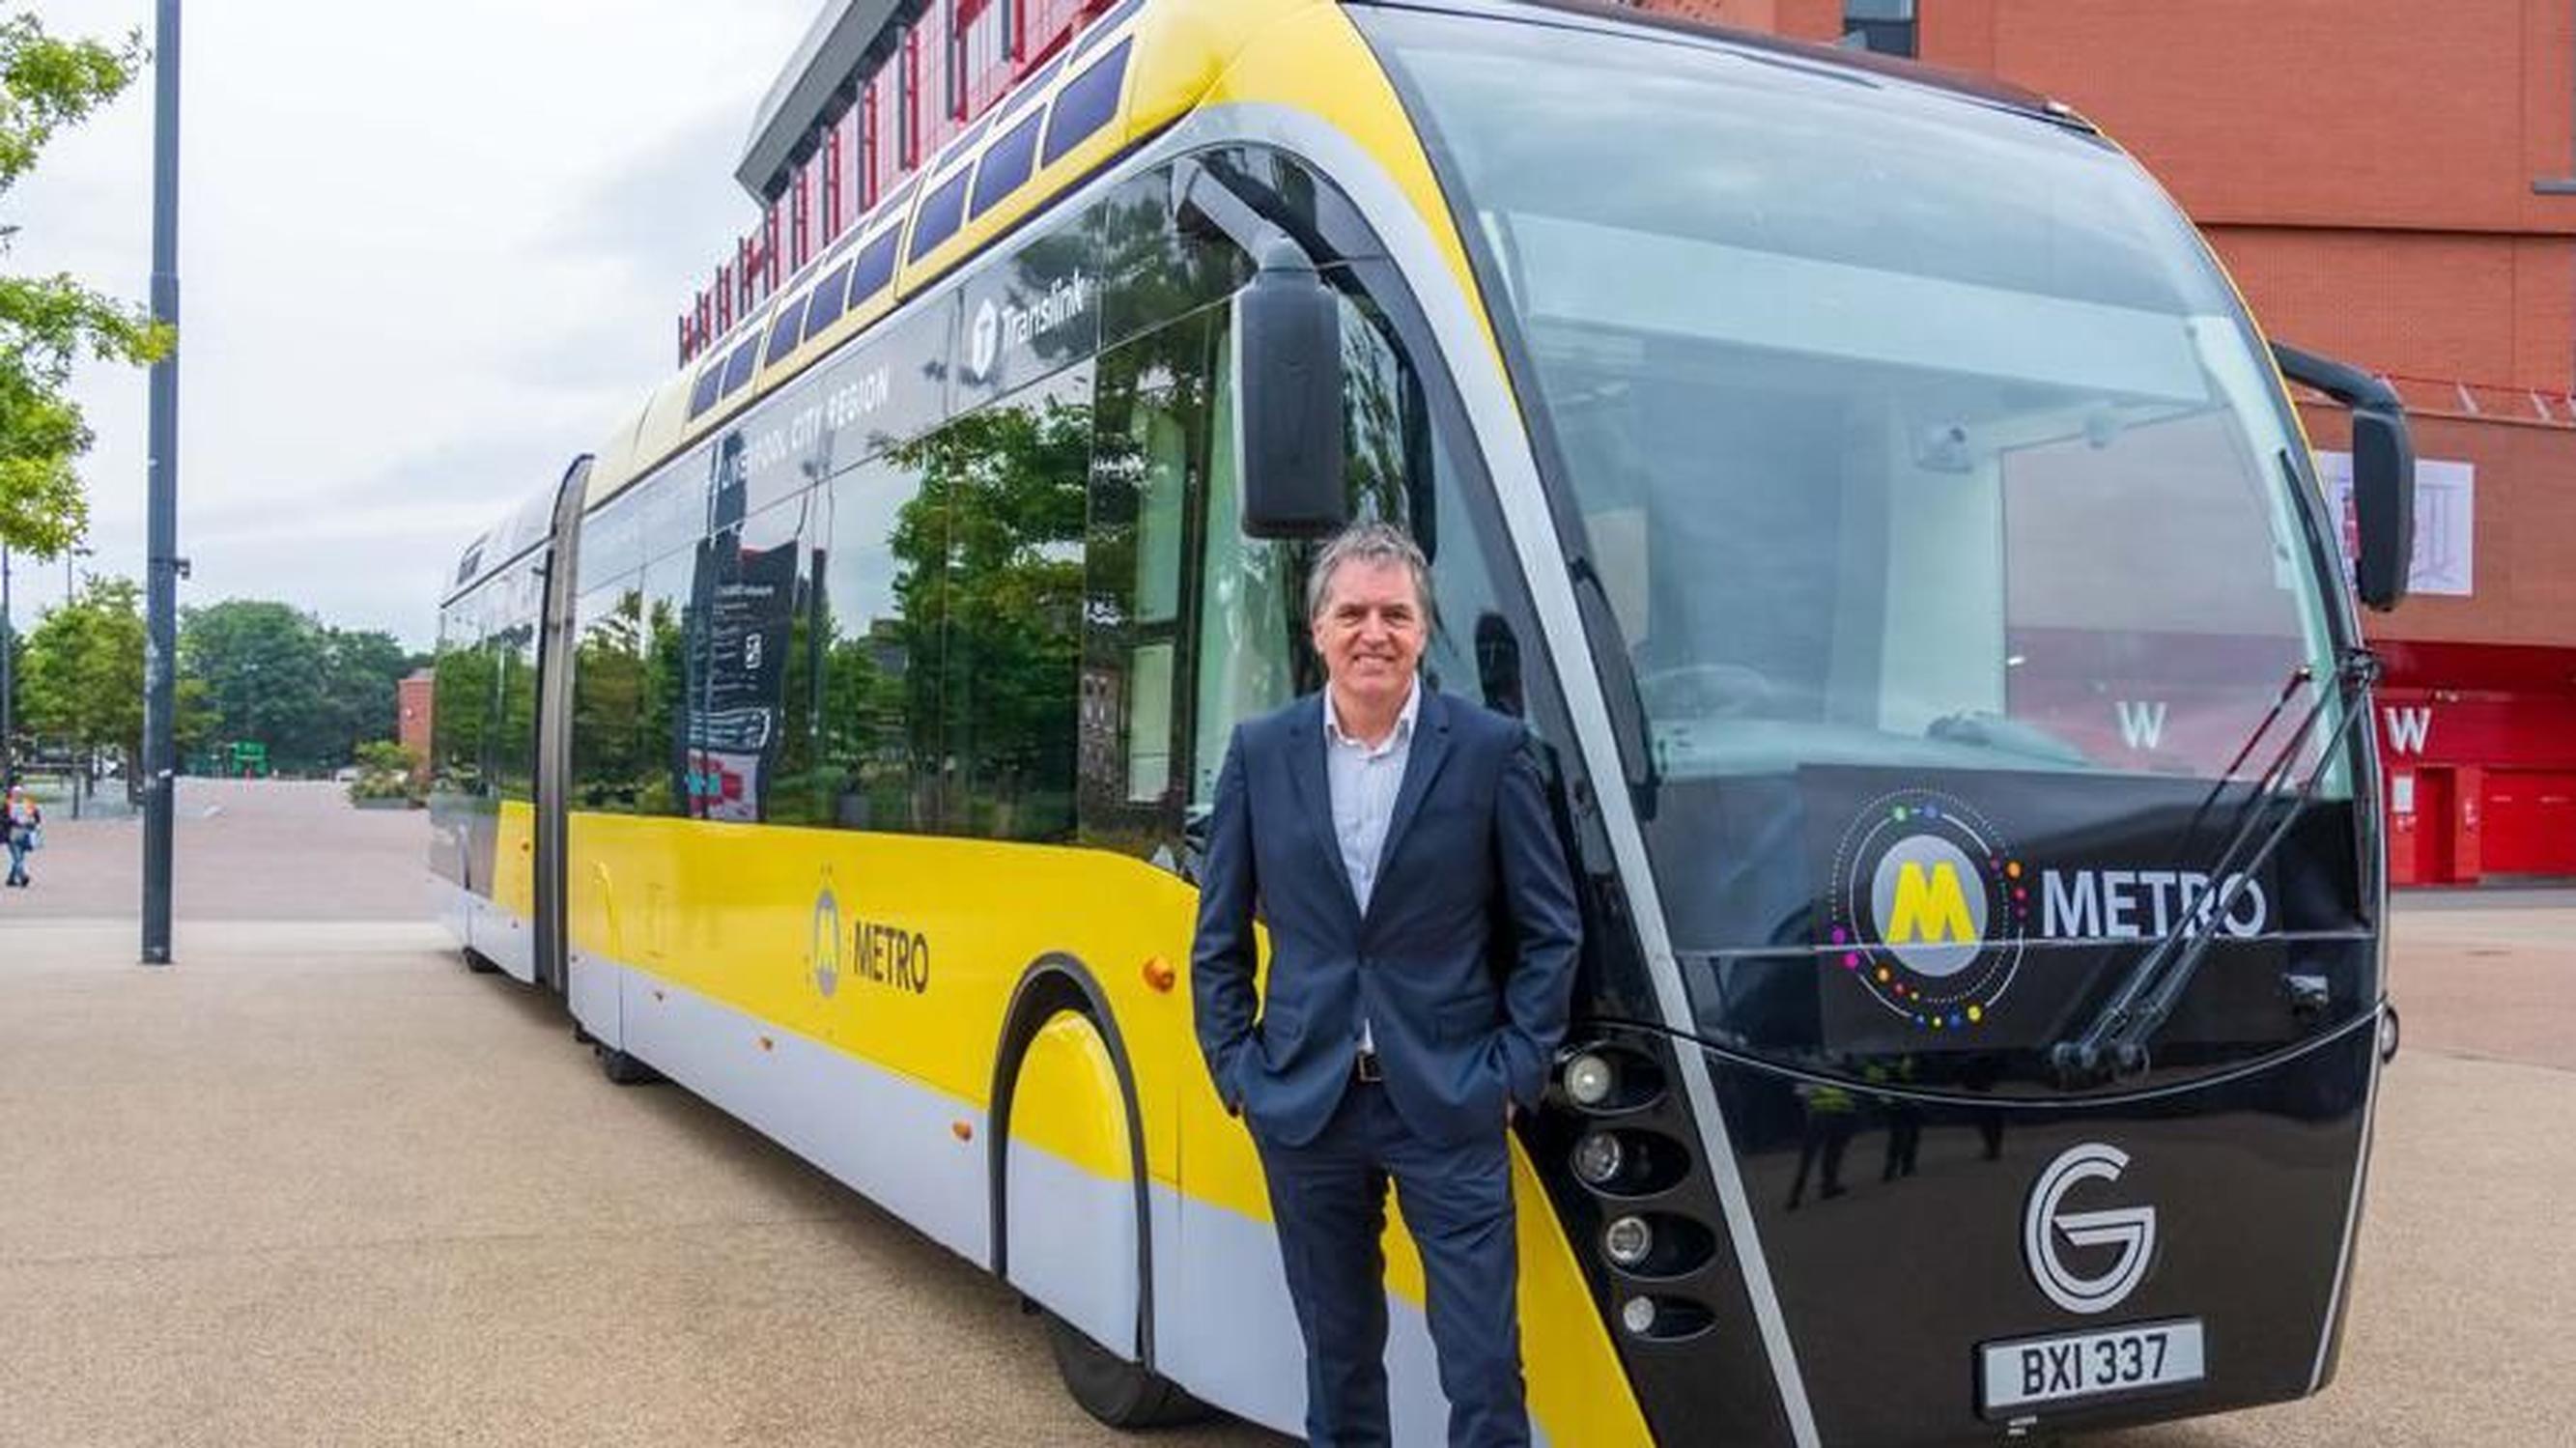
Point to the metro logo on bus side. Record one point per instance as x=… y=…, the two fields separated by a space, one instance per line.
x=1930 y=908
x=884 y=955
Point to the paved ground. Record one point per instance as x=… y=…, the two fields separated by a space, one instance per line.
x=276 y=850
x=318 y=1185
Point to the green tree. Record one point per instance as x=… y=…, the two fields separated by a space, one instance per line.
x=82 y=684
x=361 y=669
x=81 y=677
x=48 y=323
x=265 y=668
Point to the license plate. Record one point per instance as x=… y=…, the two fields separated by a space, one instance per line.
x=2090 y=1364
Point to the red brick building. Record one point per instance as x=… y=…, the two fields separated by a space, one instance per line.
x=2393 y=184
x=411 y=707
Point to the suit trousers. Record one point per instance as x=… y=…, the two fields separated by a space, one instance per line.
x=1329 y=1200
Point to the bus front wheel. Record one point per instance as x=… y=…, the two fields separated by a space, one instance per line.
x=1119 y=1393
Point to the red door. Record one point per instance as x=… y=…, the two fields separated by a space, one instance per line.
x=2530 y=823
x=2434 y=795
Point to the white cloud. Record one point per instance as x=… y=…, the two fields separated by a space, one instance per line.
x=427 y=253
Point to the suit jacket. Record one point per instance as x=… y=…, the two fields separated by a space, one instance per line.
x=1469 y=845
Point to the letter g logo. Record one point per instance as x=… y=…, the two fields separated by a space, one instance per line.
x=2130 y=1229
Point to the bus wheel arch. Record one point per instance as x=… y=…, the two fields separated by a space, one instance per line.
x=1060 y=1030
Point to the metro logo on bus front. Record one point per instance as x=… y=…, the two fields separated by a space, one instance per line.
x=1927 y=908
x=1930 y=907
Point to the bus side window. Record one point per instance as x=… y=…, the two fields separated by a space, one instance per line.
x=749 y=743
x=1149 y=460
x=1401 y=470
x=606 y=684
x=519 y=592
x=1010 y=480
x=463 y=682
x=655 y=778
x=1251 y=619
x=877 y=746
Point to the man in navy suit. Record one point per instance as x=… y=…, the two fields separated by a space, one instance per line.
x=1379 y=831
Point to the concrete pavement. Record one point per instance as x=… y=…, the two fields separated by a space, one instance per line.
x=319 y=1185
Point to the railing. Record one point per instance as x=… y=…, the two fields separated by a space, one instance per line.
x=2486 y=401
x=2454 y=397
x=964 y=55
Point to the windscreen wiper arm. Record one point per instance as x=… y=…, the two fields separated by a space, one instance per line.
x=1619 y=687
x=2113 y=1046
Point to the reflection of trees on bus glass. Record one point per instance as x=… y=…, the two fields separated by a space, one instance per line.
x=1000 y=520
x=607 y=691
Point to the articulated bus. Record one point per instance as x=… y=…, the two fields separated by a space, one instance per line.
x=1889 y=523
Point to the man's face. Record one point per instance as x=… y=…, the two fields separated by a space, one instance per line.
x=1370 y=631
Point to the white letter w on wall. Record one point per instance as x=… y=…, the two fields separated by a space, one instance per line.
x=2142 y=725
x=2408 y=728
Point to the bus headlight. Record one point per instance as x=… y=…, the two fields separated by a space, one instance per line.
x=1628 y=1240
x=1598 y=1158
x=1638 y=1315
x=1589 y=1079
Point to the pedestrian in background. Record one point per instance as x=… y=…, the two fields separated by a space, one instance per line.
x=21 y=818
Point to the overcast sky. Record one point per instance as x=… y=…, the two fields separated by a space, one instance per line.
x=427 y=254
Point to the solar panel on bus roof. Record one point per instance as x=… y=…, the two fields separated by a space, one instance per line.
x=703 y=395
x=941 y=215
x=830 y=299
x=1006 y=164
x=738 y=366
x=1086 y=103
x=787 y=331
x=875 y=269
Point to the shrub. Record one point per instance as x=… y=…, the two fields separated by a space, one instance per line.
x=386 y=770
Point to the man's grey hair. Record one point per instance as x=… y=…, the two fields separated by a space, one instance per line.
x=1368 y=542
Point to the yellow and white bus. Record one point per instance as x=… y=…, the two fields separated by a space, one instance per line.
x=1864 y=484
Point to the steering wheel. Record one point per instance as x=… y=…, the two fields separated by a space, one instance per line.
x=1705 y=691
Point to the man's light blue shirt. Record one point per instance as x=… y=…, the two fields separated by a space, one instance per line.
x=1363 y=780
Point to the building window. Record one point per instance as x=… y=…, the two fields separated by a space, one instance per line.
x=956 y=48
x=907 y=103
x=1884 y=26
x=871 y=163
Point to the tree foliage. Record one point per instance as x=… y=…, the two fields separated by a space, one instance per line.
x=81 y=676
x=83 y=679
x=271 y=673
x=48 y=323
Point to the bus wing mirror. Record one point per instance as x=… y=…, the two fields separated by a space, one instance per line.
x=2383 y=470
x=1288 y=329
x=2383 y=502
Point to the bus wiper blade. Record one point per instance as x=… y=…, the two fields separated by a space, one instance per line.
x=2113 y=1046
x=1619 y=689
